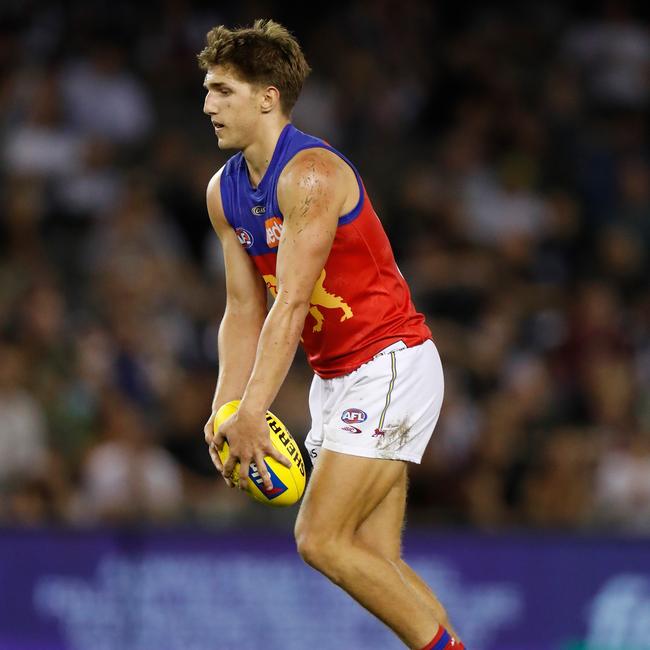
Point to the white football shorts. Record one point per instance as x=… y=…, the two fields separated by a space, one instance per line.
x=386 y=408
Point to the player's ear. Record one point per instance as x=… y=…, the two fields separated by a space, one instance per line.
x=270 y=98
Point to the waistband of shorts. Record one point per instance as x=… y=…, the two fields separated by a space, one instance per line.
x=398 y=345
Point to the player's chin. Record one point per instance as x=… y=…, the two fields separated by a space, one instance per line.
x=226 y=142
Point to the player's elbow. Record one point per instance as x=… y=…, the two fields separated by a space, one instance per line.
x=249 y=312
x=293 y=302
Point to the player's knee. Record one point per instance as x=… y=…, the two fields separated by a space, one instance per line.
x=317 y=548
x=312 y=547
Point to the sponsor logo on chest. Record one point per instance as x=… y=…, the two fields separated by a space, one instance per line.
x=274 y=228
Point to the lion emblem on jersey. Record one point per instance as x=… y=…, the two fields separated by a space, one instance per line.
x=320 y=297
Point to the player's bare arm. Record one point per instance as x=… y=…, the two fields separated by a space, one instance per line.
x=243 y=317
x=313 y=190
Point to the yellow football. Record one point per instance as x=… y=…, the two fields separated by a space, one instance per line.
x=288 y=483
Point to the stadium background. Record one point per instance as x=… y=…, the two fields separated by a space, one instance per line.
x=506 y=151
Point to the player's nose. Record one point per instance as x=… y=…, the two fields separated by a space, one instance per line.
x=208 y=109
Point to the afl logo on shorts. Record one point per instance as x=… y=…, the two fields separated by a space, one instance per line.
x=258 y=210
x=245 y=238
x=354 y=416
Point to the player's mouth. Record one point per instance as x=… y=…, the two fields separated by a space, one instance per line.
x=217 y=126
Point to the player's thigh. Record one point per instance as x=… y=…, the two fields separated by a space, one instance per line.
x=382 y=529
x=343 y=492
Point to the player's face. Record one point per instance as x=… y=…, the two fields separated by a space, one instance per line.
x=233 y=107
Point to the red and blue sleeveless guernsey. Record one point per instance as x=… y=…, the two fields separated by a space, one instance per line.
x=361 y=302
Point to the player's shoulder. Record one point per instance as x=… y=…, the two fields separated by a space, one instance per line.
x=214 y=201
x=213 y=191
x=214 y=183
x=315 y=165
x=313 y=160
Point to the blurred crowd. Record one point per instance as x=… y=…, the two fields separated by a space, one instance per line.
x=507 y=153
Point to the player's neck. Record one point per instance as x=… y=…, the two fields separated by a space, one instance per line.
x=259 y=153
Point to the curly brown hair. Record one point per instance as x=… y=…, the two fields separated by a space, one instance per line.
x=265 y=54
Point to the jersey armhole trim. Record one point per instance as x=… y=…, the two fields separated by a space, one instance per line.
x=354 y=213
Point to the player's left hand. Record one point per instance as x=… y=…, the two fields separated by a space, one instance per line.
x=249 y=441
